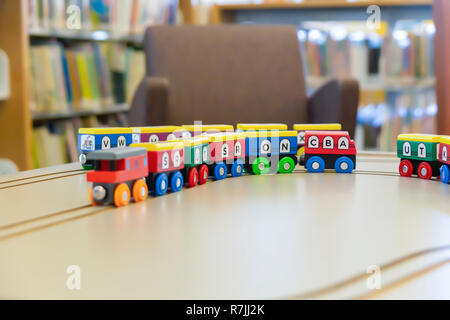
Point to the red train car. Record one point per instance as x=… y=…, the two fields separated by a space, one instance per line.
x=329 y=150
x=166 y=161
x=227 y=154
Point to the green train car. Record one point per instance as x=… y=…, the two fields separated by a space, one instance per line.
x=196 y=155
x=419 y=155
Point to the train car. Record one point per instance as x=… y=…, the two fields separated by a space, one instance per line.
x=158 y=133
x=91 y=139
x=226 y=154
x=115 y=172
x=444 y=148
x=302 y=128
x=419 y=155
x=196 y=157
x=271 y=151
x=329 y=150
x=195 y=130
x=244 y=127
x=165 y=165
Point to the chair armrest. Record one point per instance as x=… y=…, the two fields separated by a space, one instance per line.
x=337 y=102
x=150 y=102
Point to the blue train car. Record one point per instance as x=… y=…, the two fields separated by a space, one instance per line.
x=271 y=151
x=90 y=139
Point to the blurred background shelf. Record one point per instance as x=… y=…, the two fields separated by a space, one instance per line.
x=292 y=4
x=98 y=35
x=68 y=76
x=229 y=12
x=390 y=84
x=50 y=116
x=84 y=73
x=394 y=63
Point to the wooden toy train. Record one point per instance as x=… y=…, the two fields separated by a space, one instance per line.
x=424 y=155
x=134 y=162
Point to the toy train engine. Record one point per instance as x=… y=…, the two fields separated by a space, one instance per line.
x=302 y=128
x=271 y=151
x=165 y=163
x=196 y=155
x=226 y=154
x=91 y=139
x=329 y=150
x=419 y=155
x=116 y=172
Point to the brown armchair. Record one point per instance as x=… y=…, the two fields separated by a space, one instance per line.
x=234 y=73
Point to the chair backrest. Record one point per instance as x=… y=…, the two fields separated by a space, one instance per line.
x=229 y=74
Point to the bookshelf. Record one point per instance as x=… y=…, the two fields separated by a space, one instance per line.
x=226 y=13
x=97 y=36
x=397 y=81
x=42 y=117
x=18 y=119
x=15 y=115
x=391 y=85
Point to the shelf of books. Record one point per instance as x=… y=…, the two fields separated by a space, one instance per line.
x=394 y=65
x=98 y=35
x=86 y=61
x=228 y=11
x=118 y=17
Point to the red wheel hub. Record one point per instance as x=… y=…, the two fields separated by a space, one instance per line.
x=405 y=168
x=203 y=174
x=193 y=177
x=425 y=171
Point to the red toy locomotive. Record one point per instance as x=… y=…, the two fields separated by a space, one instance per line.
x=116 y=172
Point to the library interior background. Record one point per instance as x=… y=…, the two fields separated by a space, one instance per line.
x=67 y=64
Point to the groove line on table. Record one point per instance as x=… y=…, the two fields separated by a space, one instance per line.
x=312 y=294
x=43 y=180
x=403 y=280
x=47 y=216
x=41 y=175
x=52 y=224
